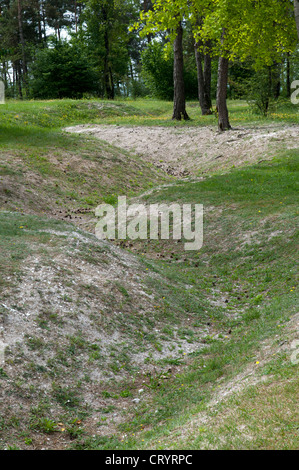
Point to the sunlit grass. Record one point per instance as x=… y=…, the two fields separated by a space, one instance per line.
x=56 y=114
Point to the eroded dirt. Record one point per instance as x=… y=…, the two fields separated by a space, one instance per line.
x=195 y=150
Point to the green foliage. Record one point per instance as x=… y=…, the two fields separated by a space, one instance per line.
x=157 y=72
x=44 y=425
x=256 y=30
x=259 y=31
x=259 y=91
x=239 y=76
x=62 y=72
x=105 y=35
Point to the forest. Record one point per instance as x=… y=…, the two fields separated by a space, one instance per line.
x=167 y=50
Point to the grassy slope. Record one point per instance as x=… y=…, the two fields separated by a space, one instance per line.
x=247 y=269
x=228 y=308
x=48 y=171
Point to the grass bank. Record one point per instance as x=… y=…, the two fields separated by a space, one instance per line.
x=143 y=345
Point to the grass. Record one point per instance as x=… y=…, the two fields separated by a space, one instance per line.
x=49 y=171
x=213 y=328
x=258 y=281
x=56 y=114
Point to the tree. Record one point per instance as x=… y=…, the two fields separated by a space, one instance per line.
x=10 y=22
x=21 y=34
x=62 y=71
x=157 y=71
x=204 y=70
x=105 y=32
x=179 y=99
x=245 y=29
x=55 y=12
x=221 y=101
x=167 y=16
x=296 y=6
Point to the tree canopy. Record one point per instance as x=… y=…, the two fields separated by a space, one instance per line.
x=126 y=47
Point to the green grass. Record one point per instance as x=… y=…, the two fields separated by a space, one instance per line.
x=258 y=280
x=232 y=302
x=56 y=114
x=49 y=171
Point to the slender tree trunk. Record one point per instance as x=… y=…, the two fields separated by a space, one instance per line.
x=204 y=80
x=22 y=41
x=76 y=15
x=223 y=117
x=4 y=74
x=39 y=21
x=208 y=80
x=43 y=14
x=288 y=76
x=275 y=73
x=111 y=85
x=13 y=79
x=19 y=79
x=108 y=76
x=179 y=102
x=296 y=5
x=221 y=106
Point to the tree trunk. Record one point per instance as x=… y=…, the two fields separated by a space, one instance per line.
x=275 y=73
x=76 y=15
x=39 y=21
x=18 y=79
x=108 y=77
x=223 y=118
x=288 y=76
x=22 y=41
x=179 y=102
x=208 y=80
x=204 y=81
x=111 y=85
x=43 y=15
x=4 y=76
x=296 y=5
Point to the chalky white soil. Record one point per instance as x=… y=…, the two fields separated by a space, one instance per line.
x=191 y=151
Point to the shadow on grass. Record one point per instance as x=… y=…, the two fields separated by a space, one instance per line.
x=14 y=137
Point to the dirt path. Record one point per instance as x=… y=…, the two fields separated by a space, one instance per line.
x=193 y=151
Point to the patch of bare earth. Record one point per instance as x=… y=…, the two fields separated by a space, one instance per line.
x=76 y=319
x=195 y=150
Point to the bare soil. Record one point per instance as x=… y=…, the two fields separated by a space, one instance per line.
x=190 y=151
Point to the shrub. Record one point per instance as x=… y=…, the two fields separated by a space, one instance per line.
x=62 y=71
